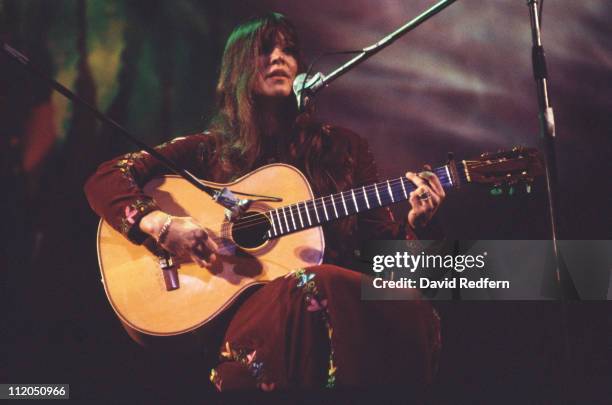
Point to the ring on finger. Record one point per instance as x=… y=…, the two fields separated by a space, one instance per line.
x=424 y=196
x=200 y=250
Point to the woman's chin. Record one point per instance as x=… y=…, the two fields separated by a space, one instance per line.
x=275 y=94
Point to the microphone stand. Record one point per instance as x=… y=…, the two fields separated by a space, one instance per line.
x=307 y=88
x=565 y=286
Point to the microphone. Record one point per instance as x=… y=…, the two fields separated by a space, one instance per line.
x=303 y=88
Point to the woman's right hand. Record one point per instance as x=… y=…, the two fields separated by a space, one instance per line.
x=183 y=237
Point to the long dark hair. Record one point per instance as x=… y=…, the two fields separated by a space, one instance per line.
x=236 y=121
x=236 y=125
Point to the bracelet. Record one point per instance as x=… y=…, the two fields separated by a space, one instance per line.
x=163 y=232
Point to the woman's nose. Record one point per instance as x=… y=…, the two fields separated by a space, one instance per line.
x=277 y=55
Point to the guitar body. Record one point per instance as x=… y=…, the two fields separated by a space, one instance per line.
x=134 y=281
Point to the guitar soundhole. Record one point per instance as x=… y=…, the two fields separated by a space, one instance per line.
x=250 y=231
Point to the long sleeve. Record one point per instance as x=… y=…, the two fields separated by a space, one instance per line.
x=115 y=192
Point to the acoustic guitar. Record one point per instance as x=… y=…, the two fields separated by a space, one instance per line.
x=155 y=294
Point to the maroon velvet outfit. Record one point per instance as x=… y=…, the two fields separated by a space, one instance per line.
x=309 y=328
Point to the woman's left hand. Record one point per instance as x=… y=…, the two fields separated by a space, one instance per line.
x=425 y=199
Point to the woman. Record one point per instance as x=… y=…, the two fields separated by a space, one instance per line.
x=310 y=328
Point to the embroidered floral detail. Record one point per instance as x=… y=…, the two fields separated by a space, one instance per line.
x=251 y=356
x=215 y=378
x=256 y=368
x=132 y=211
x=304 y=279
x=124 y=226
x=247 y=359
x=227 y=352
x=125 y=165
x=316 y=303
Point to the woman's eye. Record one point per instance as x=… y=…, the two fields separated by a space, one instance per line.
x=266 y=49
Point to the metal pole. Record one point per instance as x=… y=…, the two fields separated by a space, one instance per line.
x=565 y=286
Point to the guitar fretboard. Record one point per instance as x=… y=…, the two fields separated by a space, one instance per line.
x=315 y=212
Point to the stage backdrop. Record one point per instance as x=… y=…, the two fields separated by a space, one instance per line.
x=461 y=82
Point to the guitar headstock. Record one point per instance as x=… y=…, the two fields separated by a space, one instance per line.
x=505 y=169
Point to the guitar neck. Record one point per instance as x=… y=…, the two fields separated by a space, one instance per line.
x=318 y=211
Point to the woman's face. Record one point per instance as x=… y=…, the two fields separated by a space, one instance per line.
x=276 y=70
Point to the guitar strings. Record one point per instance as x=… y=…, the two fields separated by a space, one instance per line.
x=318 y=203
x=370 y=192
